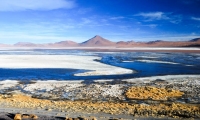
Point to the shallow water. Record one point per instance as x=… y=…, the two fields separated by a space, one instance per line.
x=145 y=63
x=169 y=63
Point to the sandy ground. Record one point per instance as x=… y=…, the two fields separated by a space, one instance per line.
x=61 y=61
x=8 y=114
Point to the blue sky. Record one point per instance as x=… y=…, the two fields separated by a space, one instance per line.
x=44 y=21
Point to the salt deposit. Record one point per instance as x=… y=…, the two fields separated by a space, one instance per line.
x=8 y=84
x=159 y=48
x=148 y=56
x=48 y=86
x=166 y=77
x=61 y=61
x=112 y=90
x=104 y=80
x=127 y=61
x=154 y=61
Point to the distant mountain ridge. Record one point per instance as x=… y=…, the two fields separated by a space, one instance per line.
x=98 y=41
x=195 y=40
x=65 y=43
x=26 y=44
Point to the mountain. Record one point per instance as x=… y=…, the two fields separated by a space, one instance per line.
x=27 y=44
x=123 y=43
x=160 y=43
x=194 y=43
x=97 y=41
x=51 y=45
x=153 y=42
x=195 y=40
x=67 y=43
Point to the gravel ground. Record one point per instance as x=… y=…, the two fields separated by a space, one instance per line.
x=103 y=90
x=95 y=92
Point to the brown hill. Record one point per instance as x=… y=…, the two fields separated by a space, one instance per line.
x=98 y=41
x=64 y=44
x=195 y=40
x=132 y=44
x=122 y=43
x=160 y=43
x=194 y=43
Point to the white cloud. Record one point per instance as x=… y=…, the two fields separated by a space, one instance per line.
x=195 y=18
x=21 y=5
x=86 y=21
x=117 y=18
x=151 y=25
x=176 y=19
x=92 y=22
x=153 y=15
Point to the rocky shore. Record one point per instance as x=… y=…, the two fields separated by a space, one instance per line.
x=175 y=97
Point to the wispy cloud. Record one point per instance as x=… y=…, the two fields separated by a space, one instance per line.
x=147 y=25
x=176 y=19
x=195 y=18
x=83 y=11
x=153 y=15
x=117 y=18
x=92 y=21
x=86 y=21
x=21 y=5
x=151 y=25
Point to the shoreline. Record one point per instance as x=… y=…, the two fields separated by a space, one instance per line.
x=115 y=49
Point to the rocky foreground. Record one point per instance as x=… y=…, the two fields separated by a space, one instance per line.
x=175 y=110
x=159 y=98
